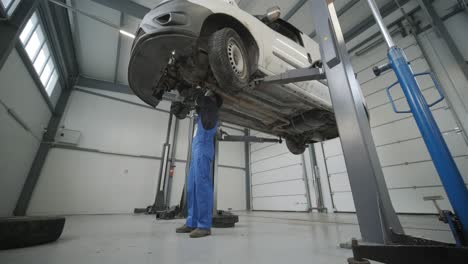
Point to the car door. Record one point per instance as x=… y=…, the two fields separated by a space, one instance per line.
x=287 y=49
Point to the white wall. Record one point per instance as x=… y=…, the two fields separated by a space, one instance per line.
x=129 y=137
x=18 y=146
x=83 y=182
x=406 y=164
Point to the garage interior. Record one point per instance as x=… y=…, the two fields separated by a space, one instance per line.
x=76 y=142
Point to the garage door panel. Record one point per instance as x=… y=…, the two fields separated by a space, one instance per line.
x=293 y=187
x=380 y=98
x=269 y=152
x=283 y=174
x=406 y=200
x=340 y=182
x=407 y=129
x=377 y=84
x=336 y=164
x=385 y=80
x=332 y=147
x=254 y=147
x=414 y=174
x=412 y=53
x=408 y=170
x=378 y=55
x=415 y=150
x=375 y=55
x=275 y=163
x=281 y=203
x=344 y=202
x=385 y=114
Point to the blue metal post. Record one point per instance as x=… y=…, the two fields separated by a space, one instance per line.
x=440 y=154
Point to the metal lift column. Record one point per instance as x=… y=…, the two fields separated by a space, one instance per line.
x=435 y=143
x=376 y=216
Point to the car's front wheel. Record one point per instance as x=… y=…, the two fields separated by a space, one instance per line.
x=229 y=60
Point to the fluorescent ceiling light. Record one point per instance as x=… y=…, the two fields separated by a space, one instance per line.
x=123 y=32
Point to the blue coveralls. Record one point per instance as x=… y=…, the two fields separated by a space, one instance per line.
x=199 y=186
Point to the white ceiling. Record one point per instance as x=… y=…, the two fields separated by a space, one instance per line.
x=96 y=43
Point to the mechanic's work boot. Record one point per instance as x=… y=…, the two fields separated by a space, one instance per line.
x=184 y=229
x=199 y=232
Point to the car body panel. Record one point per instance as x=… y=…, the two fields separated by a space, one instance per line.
x=297 y=109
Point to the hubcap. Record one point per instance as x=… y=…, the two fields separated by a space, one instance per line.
x=236 y=58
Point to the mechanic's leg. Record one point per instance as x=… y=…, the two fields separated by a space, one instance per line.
x=192 y=212
x=204 y=197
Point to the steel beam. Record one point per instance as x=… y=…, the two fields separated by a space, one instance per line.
x=442 y=31
x=125 y=6
x=316 y=179
x=370 y=21
x=11 y=29
x=172 y=162
x=248 y=204
x=38 y=163
x=306 y=183
x=192 y=122
x=117 y=56
x=3 y=12
x=299 y=4
x=57 y=26
x=376 y=216
x=103 y=85
x=340 y=12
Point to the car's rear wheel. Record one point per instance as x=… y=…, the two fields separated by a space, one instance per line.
x=180 y=110
x=229 y=60
x=295 y=146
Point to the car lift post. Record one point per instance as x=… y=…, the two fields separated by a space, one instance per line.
x=435 y=143
x=381 y=231
x=378 y=222
x=375 y=213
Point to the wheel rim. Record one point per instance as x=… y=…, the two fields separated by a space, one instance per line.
x=236 y=58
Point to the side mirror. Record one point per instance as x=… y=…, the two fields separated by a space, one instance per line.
x=273 y=13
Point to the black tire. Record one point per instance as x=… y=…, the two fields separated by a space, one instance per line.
x=295 y=147
x=17 y=232
x=224 y=219
x=180 y=110
x=229 y=60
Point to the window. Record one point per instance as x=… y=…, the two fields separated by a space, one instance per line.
x=10 y=5
x=287 y=30
x=35 y=44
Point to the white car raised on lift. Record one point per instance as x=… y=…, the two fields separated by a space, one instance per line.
x=191 y=46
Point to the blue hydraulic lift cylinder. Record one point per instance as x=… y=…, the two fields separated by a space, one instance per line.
x=440 y=154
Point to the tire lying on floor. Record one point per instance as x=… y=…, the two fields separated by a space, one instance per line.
x=18 y=232
x=229 y=60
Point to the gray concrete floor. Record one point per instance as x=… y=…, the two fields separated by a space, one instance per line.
x=259 y=237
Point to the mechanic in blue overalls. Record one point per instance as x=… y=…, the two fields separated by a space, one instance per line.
x=199 y=185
